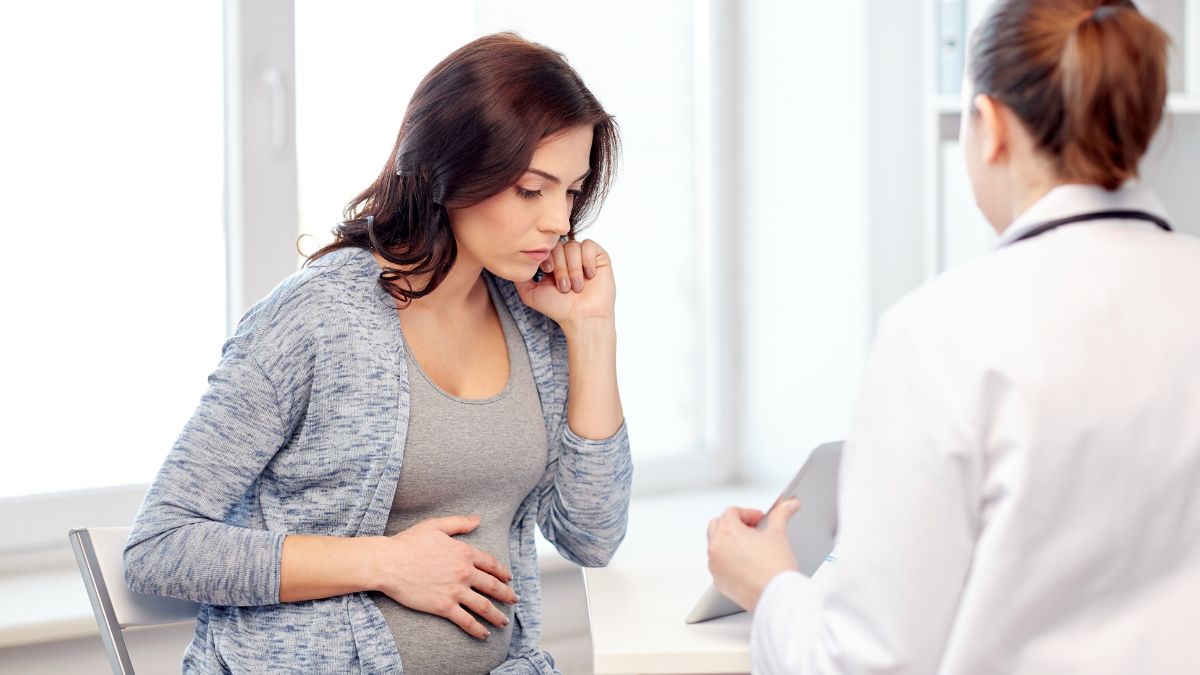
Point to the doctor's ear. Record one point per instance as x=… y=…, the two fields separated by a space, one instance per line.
x=991 y=128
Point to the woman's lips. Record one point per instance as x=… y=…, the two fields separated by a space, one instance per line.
x=538 y=254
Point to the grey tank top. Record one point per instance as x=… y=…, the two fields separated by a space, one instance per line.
x=461 y=457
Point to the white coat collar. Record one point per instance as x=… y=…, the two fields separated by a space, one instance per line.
x=1074 y=199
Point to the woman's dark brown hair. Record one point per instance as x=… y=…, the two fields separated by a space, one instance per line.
x=1087 y=77
x=470 y=132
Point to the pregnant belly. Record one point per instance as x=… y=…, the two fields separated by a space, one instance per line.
x=433 y=644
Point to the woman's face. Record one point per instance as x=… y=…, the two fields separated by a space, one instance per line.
x=513 y=231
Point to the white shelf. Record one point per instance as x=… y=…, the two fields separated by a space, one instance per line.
x=951 y=222
x=946 y=104
x=1183 y=104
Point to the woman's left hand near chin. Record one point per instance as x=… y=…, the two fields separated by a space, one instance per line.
x=578 y=290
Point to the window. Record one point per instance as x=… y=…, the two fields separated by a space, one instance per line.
x=140 y=204
x=357 y=65
x=115 y=274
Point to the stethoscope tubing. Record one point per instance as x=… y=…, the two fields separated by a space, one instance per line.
x=1118 y=214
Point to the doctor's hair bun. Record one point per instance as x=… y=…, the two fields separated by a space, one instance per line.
x=1087 y=77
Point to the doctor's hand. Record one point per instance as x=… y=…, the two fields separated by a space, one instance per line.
x=743 y=560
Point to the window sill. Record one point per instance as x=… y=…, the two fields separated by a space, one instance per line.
x=44 y=606
x=51 y=604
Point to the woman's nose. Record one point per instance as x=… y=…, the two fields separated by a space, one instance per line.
x=556 y=218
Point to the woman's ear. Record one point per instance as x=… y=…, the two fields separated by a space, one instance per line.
x=993 y=132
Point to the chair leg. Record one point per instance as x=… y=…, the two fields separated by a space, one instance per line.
x=106 y=618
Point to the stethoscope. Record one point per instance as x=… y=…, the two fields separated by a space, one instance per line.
x=1097 y=215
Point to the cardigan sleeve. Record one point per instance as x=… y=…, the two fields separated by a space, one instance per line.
x=531 y=663
x=585 y=509
x=180 y=545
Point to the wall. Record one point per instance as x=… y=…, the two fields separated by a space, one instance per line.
x=805 y=213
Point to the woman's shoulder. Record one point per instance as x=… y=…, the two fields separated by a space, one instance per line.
x=337 y=291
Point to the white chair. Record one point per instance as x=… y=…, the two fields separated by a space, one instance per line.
x=99 y=553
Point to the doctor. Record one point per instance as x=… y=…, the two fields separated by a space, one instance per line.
x=1021 y=487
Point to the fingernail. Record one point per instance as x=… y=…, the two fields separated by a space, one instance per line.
x=577 y=285
x=589 y=273
x=505 y=623
x=564 y=285
x=487 y=633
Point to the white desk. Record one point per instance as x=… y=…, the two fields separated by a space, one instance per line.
x=637 y=603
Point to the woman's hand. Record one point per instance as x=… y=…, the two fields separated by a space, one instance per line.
x=578 y=294
x=426 y=569
x=578 y=288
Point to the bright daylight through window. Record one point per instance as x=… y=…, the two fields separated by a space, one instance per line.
x=114 y=281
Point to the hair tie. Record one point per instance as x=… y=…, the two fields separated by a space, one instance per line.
x=370 y=222
x=1099 y=14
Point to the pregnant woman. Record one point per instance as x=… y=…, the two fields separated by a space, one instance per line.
x=359 y=487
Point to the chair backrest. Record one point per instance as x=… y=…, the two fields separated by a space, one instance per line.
x=99 y=552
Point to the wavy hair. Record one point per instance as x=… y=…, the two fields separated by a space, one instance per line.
x=470 y=132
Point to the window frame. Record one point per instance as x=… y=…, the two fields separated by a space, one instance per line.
x=261 y=214
x=720 y=281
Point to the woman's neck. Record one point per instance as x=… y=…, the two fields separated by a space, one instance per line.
x=1026 y=198
x=1031 y=181
x=463 y=291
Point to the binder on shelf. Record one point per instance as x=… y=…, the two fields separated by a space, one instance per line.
x=952 y=44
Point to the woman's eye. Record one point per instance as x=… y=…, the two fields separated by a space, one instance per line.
x=528 y=194
x=574 y=194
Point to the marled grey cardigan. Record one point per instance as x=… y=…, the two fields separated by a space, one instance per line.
x=302 y=430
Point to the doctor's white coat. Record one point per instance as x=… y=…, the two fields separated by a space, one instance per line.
x=1021 y=489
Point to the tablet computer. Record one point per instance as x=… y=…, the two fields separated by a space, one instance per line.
x=811 y=530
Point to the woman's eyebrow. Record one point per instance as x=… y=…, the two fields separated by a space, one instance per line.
x=554 y=179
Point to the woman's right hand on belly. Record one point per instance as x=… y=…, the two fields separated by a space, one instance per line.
x=425 y=568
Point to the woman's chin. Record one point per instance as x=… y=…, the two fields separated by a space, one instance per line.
x=513 y=273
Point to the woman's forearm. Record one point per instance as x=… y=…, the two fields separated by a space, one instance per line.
x=593 y=402
x=322 y=567
x=588 y=507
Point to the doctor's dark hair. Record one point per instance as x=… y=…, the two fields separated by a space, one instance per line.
x=1087 y=77
x=470 y=132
